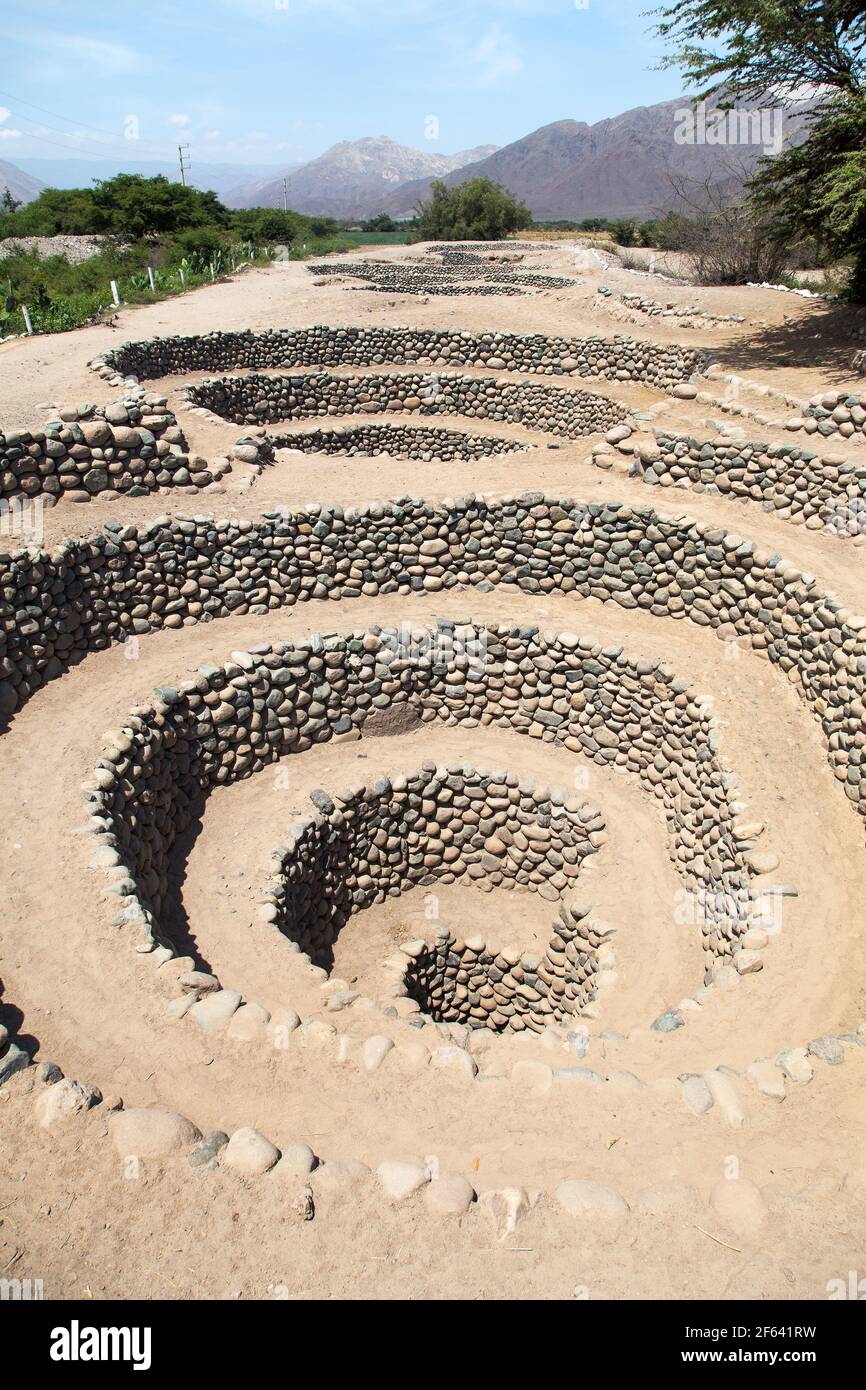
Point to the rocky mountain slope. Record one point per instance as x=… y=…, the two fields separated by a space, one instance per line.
x=354 y=178
x=628 y=165
x=23 y=187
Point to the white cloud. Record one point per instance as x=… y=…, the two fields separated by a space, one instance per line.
x=5 y=113
x=213 y=134
x=7 y=134
x=495 y=57
x=179 y=119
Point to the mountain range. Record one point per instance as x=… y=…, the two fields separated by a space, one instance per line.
x=353 y=178
x=628 y=166
x=632 y=165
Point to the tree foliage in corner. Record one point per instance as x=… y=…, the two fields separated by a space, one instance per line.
x=781 y=51
x=477 y=210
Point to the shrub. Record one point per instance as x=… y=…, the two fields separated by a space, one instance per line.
x=477 y=210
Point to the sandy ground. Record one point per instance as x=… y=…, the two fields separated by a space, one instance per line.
x=76 y=990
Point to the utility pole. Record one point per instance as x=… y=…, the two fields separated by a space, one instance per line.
x=183 y=155
x=285 y=197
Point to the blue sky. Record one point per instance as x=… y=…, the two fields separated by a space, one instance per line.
x=250 y=81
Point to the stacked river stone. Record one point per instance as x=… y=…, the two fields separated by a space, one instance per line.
x=617 y=358
x=400 y=441
x=827 y=491
x=132 y=446
x=229 y=722
x=471 y=983
x=247 y=400
x=436 y=825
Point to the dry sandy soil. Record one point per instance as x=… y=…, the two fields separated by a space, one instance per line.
x=69 y=1212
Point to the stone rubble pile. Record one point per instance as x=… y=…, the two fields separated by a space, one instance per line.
x=73 y=249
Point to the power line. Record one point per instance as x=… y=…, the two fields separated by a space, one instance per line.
x=46 y=140
x=97 y=144
x=96 y=130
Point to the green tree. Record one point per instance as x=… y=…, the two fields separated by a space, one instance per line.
x=323 y=226
x=779 y=47
x=778 y=51
x=819 y=188
x=267 y=224
x=380 y=223
x=477 y=210
x=132 y=206
x=624 y=231
x=57 y=211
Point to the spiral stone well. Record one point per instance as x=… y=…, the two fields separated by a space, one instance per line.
x=475 y=984
x=439 y=824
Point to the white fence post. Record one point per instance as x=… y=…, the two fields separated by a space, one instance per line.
x=25 y=314
x=115 y=294
x=150 y=277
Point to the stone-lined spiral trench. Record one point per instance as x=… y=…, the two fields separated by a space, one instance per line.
x=365 y=844
x=377 y=841
x=234 y=721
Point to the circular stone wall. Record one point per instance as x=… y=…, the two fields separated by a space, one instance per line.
x=128 y=580
x=230 y=722
x=617 y=358
x=256 y=399
x=438 y=824
x=468 y=982
x=399 y=441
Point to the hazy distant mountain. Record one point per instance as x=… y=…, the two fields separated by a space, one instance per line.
x=619 y=167
x=20 y=184
x=353 y=178
x=79 y=173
